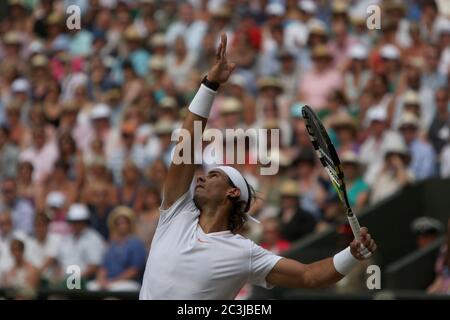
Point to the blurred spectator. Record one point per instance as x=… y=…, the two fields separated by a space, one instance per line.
x=271 y=237
x=84 y=247
x=423 y=156
x=42 y=154
x=394 y=174
x=45 y=247
x=100 y=204
x=55 y=210
x=124 y=259
x=21 y=210
x=310 y=183
x=426 y=230
x=148 y=216
x=23 y=275
x=441 y=284
x=295 y=221
x=9 y=155
x=357 y=189
x=321 y=80
x=373 y=148
x=439 y=132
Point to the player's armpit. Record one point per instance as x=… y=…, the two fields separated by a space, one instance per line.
x=289 y=273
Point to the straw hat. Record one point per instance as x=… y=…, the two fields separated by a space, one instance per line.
x=118 y=212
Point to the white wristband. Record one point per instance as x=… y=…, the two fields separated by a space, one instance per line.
x=344 y=261
x=202 y=102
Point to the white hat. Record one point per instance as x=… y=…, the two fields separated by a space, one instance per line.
x=78 y=212
x=275 y=9
x=390 y=52
x=55 y=199
x=100 y=111
x=409 y=119
x=396 y=145
x=359 y=52
x=376 y=113
x=349 y=157
x=237 y=79
x=307 y=6
x=20 y=85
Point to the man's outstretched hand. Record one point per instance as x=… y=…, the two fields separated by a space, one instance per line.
x=222 y=69
x=366 y=240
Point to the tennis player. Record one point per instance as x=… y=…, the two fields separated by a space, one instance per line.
x=196 y=253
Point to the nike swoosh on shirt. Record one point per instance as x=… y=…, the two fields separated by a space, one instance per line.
x=202 y=241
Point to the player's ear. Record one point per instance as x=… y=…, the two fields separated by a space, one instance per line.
x=234 y=193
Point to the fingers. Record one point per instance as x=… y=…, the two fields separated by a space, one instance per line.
x=223 y=42
x=363 y=231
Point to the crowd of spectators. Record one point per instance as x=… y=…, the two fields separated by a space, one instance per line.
x=86 y=118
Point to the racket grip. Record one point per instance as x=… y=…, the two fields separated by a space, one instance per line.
x=354 y=224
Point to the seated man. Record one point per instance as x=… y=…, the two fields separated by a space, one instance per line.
x=197 y=252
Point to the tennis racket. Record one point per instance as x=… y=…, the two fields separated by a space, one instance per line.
x=328 y=157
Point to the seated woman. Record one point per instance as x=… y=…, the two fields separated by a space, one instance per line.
x=23 y=276
x=124 y=260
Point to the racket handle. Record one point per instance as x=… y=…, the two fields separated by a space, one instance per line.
x=354 y=224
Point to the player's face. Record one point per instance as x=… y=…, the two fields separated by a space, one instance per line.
x=211 y=188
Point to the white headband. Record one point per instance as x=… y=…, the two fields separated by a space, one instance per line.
x=238 y=180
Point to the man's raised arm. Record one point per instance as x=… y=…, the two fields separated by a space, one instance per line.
x=180 y=175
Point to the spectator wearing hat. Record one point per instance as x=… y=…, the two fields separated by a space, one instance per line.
x=9 y=155
x=394 y=174
x=439 y=132
x=390 y=64
x=357 y=188
x=320 y=81
x=357 y=73
x=55 y=210
x=160 y=145
x=378 y=137
x=84 y=247
x=345 y=128
x=42 y=154
x=295 y=222
x=296 y=33
x=22 y=211
x=441 y=284
x=423 y=156
x=412 y=81
x=124 y=260
x=426 y=230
